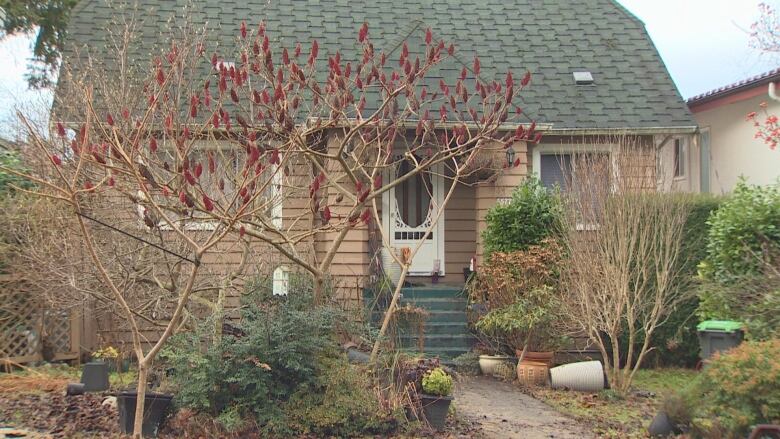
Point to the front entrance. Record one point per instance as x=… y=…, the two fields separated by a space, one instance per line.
x=409 y=209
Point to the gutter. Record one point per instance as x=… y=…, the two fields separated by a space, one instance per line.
x=691 y=129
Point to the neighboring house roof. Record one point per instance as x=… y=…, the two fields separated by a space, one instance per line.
x=737 y=91
x=551 y=38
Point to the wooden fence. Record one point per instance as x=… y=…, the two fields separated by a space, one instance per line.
x=30 y=332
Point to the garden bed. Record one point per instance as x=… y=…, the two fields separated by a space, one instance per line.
x=613 y=416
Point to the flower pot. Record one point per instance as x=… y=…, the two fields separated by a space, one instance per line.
x=533 y=373
x=585 y=376
x=156 y=406
x=489 y=363
x=537 y=357
x=436 y=409
x=94 y=375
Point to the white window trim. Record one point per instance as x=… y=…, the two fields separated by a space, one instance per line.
x=281 y=281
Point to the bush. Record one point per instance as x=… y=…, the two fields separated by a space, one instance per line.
x=676 y=341
x=518 y=291
x=744 y=231
x=437 y=382
x=282 y=370
x=740 y=273
x=736 y=391
x=532 y=214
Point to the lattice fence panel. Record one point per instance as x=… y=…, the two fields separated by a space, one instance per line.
x=20 y=326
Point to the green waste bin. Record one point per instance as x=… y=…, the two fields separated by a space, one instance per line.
x=718 y=335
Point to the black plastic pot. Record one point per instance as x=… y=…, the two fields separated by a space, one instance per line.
x=662 y=426
x=95 y=376
x=74 y=389
x=436 y=409
x=156 y=407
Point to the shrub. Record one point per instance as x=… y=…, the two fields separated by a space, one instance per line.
x=740 y=272
x=518 y=291
x=340 y=403
x=735 y=391
x=467 y=363
x=531 y=215
x=744 y=232
x=437 y=382
x=279 y=344
x=675 y=342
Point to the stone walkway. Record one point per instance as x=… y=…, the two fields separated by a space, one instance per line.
x=503 y=411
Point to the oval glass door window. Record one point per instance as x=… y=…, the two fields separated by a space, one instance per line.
x=413 y=196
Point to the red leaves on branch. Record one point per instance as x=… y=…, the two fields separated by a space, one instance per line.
x=510 y=82
x=366 y=216
x=243 y=29
x=526 y=79
x=98 y=157
x=207 y=203
x=153 y=145
x=186 y=199
x=198 y=170
x=274 y=157
x=428 y=36
x=56 y=160
x=297 y=52
x=111 y=182
x=189 y=177
x=241 y=231
x=125 y=114
x=476 y=65
x=326 y=215
x=315 y=49
x=160 y=76
x=285 y=57
x=212 y=163
x=233 y=95
x=377 y=181
x=109 y=119
x=60 y=129
x=451 y=49
x=88 y=185
x=363 y=32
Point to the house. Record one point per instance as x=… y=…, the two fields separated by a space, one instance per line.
x=596 y=76
x=726 y=147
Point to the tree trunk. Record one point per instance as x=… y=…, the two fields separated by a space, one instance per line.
x=143 y=374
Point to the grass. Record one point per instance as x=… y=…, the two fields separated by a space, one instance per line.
x=615 y=416
x=54 y=377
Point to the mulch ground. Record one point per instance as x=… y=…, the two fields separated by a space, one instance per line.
x=58 y=415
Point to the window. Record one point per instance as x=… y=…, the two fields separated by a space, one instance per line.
x=281 y=281
x=679 y=158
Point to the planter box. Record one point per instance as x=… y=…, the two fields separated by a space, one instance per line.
x=489 y=363
x=436 y=409
x=156 y=406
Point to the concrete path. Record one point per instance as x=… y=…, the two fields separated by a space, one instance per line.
x=503 y=411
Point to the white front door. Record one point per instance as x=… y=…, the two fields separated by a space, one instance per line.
x=409 y=210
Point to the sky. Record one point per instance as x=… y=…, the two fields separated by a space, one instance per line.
x=704 y=44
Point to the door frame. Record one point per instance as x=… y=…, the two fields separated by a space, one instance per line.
x=437 y=181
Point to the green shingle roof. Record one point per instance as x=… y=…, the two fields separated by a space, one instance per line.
x=551 y=38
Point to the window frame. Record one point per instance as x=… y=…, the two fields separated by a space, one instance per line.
x=680 y=159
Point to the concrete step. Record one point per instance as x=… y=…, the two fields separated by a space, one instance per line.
x=440 y=340
x=438 y=292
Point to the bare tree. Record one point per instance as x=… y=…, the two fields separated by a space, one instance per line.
x=206 y=155
x=623 y=242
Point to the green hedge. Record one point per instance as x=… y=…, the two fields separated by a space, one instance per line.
x=676 y=342
x=533 y=213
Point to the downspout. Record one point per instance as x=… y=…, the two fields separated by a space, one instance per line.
x=771 y=91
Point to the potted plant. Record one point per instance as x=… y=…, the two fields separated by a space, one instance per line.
x=436 y=397
x=156 y=408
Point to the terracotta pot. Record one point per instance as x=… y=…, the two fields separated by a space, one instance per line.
x=537 y=357
x=488 y=363
x=533 y=373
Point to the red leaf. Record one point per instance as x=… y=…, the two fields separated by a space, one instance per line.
x=56 y=160
x=241 y=231
x=326 y=215
x=315 y=48
x=297 y=50
x=160 y=76
x=88 y=185
x=451 y=49
x=285 y=57
x=526 y=79
x=509 y=80
x=207 y=203
x=60 y=129
x=366 y=216
x=198 y=170
x=153 y=145
x=125 y=113
x=111 y=182
x=363 y=32
x=233 y=95
x=188 y=176
x=243 y=29
x=476 y=65
x=212 y=163
x=110 y=119
x=377 y=181
x=428 y=36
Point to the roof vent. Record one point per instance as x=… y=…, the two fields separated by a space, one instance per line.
x=583 y=78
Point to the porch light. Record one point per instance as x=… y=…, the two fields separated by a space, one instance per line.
x=510 y=156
